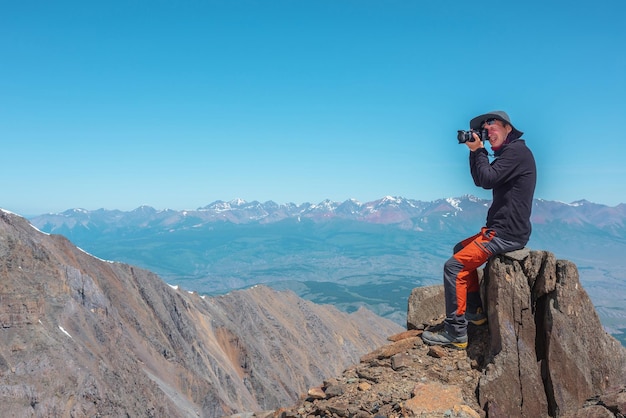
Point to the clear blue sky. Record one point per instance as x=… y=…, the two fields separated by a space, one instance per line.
x=176 y=104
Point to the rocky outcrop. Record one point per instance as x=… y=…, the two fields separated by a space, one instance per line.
x=543 y=354
x=83 y=337
x=404 y=378
x=548 y=350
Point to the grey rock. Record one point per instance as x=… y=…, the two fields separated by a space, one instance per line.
x=425 y=304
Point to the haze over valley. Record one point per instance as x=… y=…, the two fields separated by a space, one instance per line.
x=348 y=254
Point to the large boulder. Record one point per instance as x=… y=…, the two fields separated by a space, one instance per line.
x=425 y=305
x=548 y=350
x=548 y=353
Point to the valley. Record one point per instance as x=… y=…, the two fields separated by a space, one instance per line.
x=369 y=255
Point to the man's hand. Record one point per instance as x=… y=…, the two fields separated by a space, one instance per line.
x=475 y=144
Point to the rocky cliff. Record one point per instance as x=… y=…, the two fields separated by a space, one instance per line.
x=83 y=337
x=544 y=353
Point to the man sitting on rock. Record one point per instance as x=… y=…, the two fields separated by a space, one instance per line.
x=511 y=176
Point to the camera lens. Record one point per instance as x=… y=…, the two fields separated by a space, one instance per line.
x=464 y=136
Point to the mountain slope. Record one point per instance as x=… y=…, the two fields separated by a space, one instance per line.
x=85 y=337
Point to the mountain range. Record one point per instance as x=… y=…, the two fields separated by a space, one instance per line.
x=350 y=254
x=388 y=210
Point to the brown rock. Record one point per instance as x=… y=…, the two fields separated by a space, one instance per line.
x=434 y=398
x=364 y=386
x=610 y=404
x=316 y=393
x=594 y=411
x=512 y=382
x=333 y=391
x=615 y=400
x=549 y=352
x=400 y=360
x=340 y=409
x=391 y=349
x=464 y=411
x=581 y=358
x=437 y=351
x=406 y=334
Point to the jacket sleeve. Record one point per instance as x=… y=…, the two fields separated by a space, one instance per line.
x=476 y=160
x=502 y=169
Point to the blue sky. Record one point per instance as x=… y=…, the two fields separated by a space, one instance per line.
x=176 y=104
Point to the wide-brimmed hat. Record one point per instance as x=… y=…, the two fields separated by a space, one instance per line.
x=500 y=115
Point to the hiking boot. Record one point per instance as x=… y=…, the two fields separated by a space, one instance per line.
x=445 y=339
x=435 y=328
x=478 y=318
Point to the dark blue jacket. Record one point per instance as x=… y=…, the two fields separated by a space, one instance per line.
x=512 y=177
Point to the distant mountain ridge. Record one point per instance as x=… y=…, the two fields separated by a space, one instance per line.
x=387 y=210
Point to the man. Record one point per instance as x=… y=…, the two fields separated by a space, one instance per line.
x=512 y=177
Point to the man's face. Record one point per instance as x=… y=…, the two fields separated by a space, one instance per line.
x=497 y=132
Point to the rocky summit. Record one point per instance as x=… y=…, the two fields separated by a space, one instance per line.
x=82 y=337
x=542 y=354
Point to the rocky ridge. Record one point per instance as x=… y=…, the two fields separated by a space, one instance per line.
x=543 y=354
x=83 y=337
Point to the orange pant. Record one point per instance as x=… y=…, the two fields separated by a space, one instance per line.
x=460 y=278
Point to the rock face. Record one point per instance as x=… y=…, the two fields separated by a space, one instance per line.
x=83 y=337
x=548 y=352
x=543 y=354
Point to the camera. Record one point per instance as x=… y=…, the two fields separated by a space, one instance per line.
x=466 y=136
